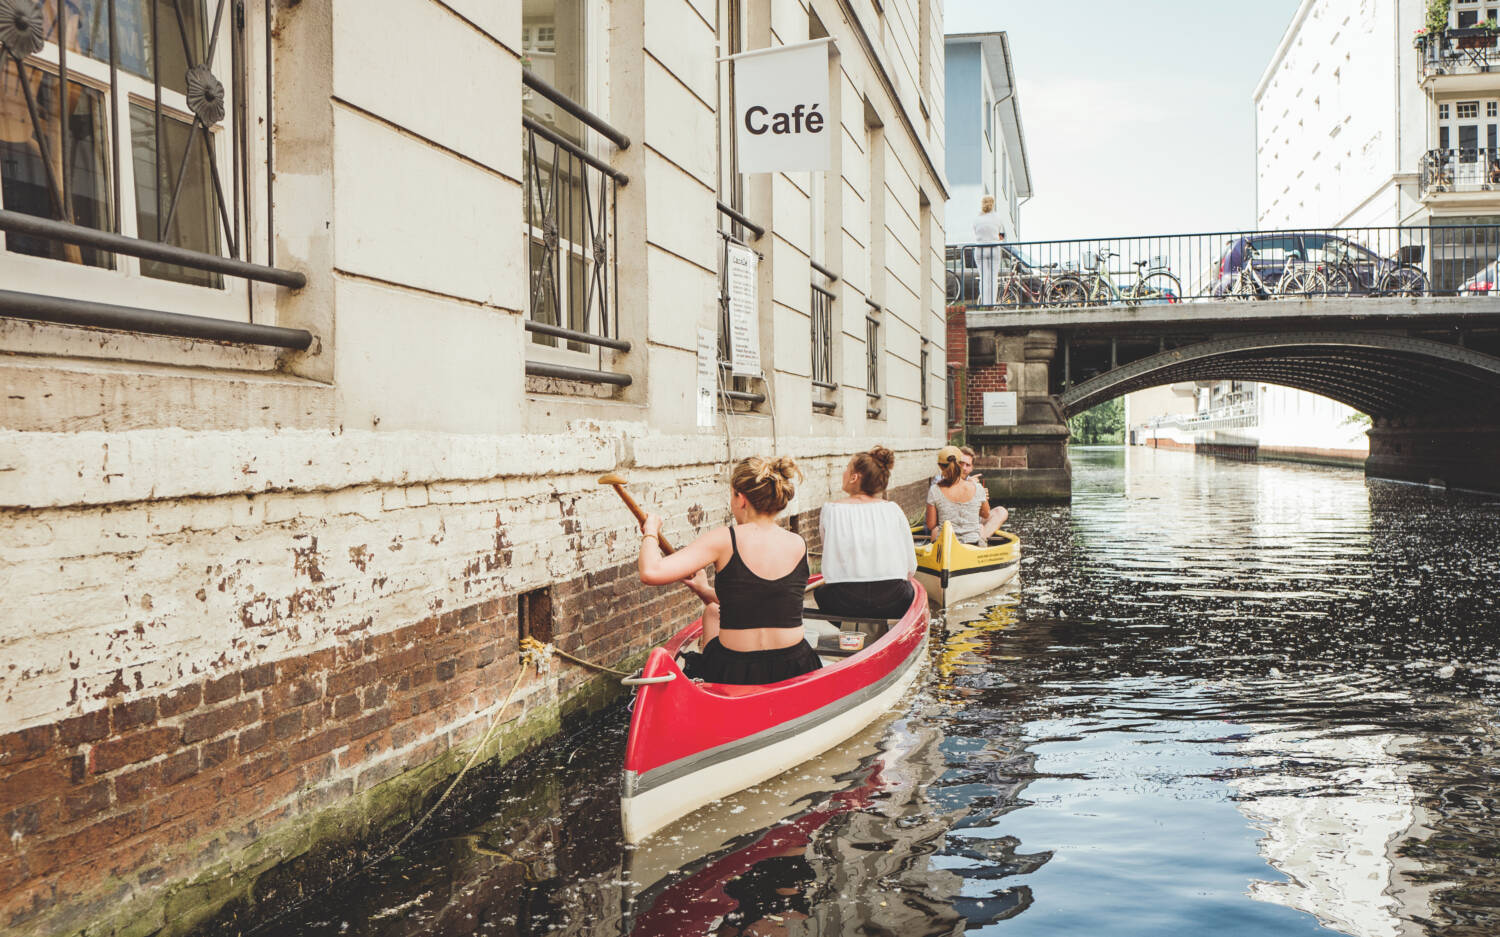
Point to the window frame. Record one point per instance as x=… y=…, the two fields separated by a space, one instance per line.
x=231 y=299
x=541 y=347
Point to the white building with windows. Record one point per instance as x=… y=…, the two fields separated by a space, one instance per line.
x=986 y=146
x=320 y=322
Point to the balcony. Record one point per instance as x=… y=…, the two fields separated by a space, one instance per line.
x=1460 y=59
x=1460 y=175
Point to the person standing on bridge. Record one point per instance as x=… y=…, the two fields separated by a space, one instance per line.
x=988 y=229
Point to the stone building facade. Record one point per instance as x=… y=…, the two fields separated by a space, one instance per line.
x=271 y=532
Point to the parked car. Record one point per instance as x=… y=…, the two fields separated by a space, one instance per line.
x=1482 y=283
x=1347 y=266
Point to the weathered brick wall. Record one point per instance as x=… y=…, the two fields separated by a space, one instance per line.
x=203 y=676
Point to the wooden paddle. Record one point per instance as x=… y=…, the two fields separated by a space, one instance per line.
x=617 y=482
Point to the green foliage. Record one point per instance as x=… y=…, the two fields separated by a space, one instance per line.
x=1103 y=425
x=1358 y=419
x=1437 y=15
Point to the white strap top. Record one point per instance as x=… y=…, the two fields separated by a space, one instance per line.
x=866 y=542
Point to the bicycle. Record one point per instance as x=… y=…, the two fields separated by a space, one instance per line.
x=1388 y=277
x=1154 y=281
x=1099 y=287
x=1048 y=289
x=1297 y=278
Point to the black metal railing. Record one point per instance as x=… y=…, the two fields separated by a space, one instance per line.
x=924 y=361
x=1466 y=51
x=1285 y=264
x=159 y=101
x=872 y=359
x=571 y=198
x=1459 y=169
x=823 y=299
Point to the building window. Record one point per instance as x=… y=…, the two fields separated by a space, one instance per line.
x=570 y=203
x=1442 y=112
x=179 y=172
x=1467 y=110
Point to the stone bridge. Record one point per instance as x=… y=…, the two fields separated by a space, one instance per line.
x=1426 y=369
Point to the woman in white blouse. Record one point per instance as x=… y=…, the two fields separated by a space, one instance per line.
x=868 y=558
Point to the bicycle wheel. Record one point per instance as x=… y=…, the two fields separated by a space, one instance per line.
x=1244 y=286
x=1101 y=292
x=1159 y=287
x=1066 y=291
x=954 y=287
x=1336 y=282
x=1301 y=281
x=1404 y=281
x=1012 y=295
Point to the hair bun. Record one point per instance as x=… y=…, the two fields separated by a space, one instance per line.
x=786 y=467
x=883 y=456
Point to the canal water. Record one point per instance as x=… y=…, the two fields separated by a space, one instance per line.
x=1237 y=698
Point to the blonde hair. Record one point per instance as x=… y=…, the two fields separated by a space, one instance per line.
x=766 y=483
x=987 y=204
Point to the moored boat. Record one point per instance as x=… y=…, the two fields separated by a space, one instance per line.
x=693 y=743
x=951 y=570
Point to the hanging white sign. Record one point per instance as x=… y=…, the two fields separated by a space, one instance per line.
x=708 y=377
x=744 y=324
x=781 y=108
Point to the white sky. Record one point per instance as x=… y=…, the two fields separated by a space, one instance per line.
x=1137 y=114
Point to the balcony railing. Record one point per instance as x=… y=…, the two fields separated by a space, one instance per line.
x=1467 y=51
x=167 y=106
x=1302 y=264
x=824 y=386
x=872 y=359
x=571 y=196
x=1460 y=169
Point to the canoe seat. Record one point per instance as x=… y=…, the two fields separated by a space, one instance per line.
x=823 y=631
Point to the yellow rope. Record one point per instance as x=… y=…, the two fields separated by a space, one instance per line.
x=532 y=645
x=535 y=653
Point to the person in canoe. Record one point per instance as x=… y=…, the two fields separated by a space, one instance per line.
x=752 y=622
x=868 y=559
x=961 y=501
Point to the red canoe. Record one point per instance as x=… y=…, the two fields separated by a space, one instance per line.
x=694 y=743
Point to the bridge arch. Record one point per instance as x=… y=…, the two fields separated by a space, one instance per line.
x=1380 y=374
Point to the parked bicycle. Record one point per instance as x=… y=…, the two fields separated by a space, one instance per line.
x=1344 y=273
x=1297 y=278
x=1045 y=288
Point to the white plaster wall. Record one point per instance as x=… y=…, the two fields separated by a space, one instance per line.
x=138 y=472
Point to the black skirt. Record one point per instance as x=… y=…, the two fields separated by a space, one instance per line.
x=719 y=664
x=886 y=598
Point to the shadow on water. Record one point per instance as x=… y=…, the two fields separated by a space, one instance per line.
x=1250 y=697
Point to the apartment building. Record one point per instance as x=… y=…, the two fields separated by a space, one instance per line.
x=320 y=321
x=985 y=145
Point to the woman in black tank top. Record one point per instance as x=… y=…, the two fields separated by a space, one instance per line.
x=752 y=625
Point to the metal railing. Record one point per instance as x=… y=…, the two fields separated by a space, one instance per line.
x=140 y=99
x=872 y=359
x=1284 y=264
x=571 y=196
x=1459 y=169
x=924 y=360
x=823 y=298
x=1466 y=51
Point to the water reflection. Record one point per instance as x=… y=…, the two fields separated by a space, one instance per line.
x=1251 y=699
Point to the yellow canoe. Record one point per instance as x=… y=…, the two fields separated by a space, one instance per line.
x=952 y=570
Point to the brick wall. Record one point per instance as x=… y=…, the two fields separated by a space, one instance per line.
x=982 y=380
x=206 y=678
